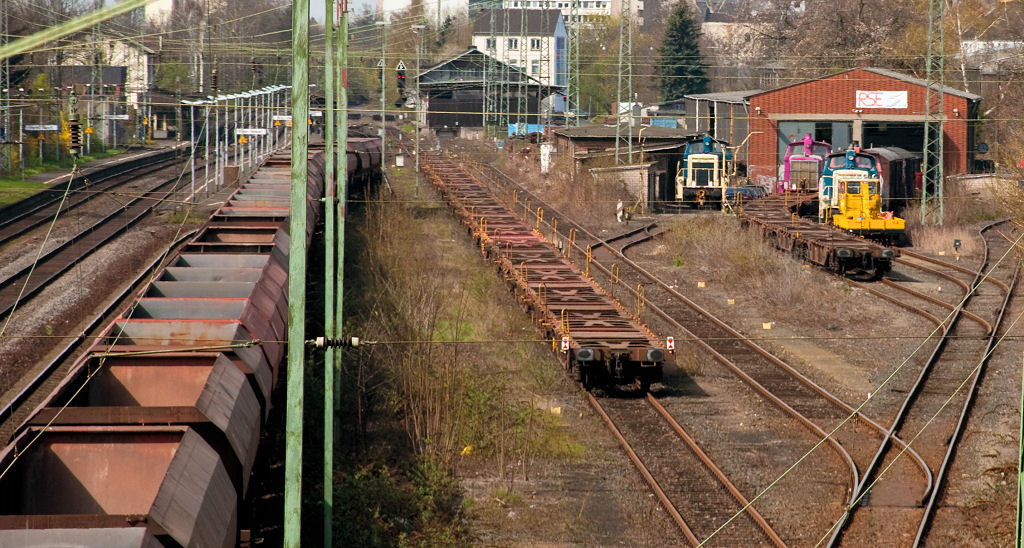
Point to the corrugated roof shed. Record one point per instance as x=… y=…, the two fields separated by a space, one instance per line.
x=726 y=96
x=605 y=132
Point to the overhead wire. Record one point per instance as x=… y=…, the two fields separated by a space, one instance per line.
x=859 y=409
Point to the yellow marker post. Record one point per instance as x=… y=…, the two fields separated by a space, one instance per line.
x=242 y=140
x=701 y=284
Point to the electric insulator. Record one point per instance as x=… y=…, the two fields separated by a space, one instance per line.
x=75 y=129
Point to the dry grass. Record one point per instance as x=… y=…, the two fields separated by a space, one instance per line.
x=963 y=209
x=714 y=248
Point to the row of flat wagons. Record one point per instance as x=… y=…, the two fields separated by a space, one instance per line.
x=152 y=438
x=600 y=343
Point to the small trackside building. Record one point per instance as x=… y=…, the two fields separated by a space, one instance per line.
x=873 y=107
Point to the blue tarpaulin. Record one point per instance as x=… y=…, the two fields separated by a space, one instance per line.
x=530 y=128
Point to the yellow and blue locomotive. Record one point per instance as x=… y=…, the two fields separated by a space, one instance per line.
x=850 y=197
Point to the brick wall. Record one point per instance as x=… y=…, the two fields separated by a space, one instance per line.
x=835 y=95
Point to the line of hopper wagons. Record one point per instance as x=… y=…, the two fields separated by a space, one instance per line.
x=151 y=438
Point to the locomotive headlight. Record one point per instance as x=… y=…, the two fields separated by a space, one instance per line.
x=585 y=354
x=655 y=355
x=844 y=253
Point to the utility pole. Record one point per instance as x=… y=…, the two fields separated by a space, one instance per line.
x=522 y=106
x=625 y=77
x=503 y=116
x=342 y=78
x=296 y=277
x=329 y=265
x=6 y=163
x=546 y=74
x=931 y=166
x=418 y=29
x=572 y=96
x=383 y=25
x=216 y=141
x=192 y=149
x=490 y=98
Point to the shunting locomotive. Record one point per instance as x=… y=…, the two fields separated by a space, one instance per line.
x=850 y=197
x=704 y=172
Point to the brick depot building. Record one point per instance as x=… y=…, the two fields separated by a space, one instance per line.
x=874 y=107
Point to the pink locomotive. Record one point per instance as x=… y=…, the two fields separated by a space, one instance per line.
x=802 y=166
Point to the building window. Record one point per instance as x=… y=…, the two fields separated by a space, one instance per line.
x=535 y=67
x=535 y=43
x=491 y=43
x=513 y=43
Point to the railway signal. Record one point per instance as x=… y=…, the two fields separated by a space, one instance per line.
x=400 y=71
x=74 y=126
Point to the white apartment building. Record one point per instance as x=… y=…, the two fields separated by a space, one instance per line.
x=588 y=10
x=542 y=50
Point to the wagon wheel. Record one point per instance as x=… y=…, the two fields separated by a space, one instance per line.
x=645 y=386
x=576 y=371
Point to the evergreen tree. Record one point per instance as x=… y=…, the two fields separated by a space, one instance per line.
x=681 y=69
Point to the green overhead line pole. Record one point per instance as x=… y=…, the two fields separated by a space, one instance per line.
x=933 y=178
x=56 y=32
x=1020 y=469
x=383 y=66
x=296 y=276
x=573 y=76
x=6 y=156
x=341 y=73
x=329 y=280
x=625 y=75
x=490 y=97
x=419 y=30
x=522 y=103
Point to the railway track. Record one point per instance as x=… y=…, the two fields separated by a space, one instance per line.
x=44 y=379
x=36 y=212
x=959 y=356
x=938 y=398
x=687 y=482
x=707 y=490
x=924 y=473
x=818 y=412
x=28 y=281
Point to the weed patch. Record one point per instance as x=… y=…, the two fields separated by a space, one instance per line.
x=13 y=190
